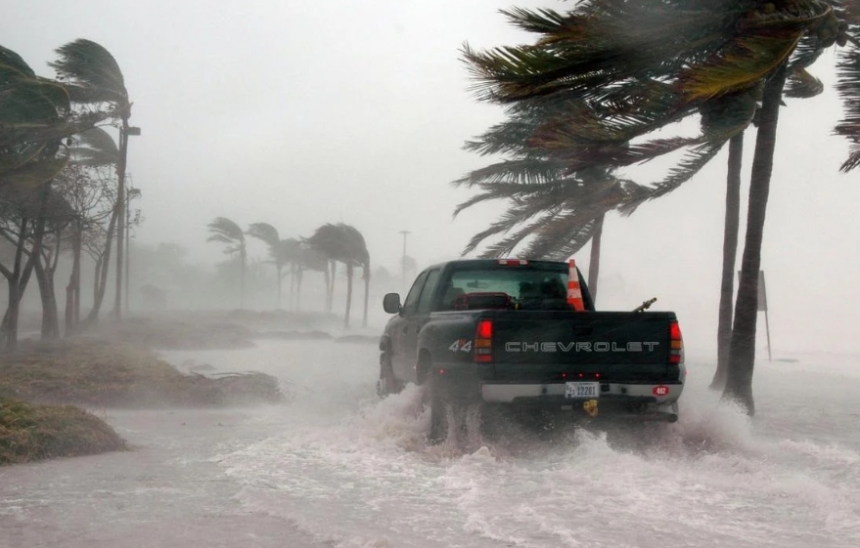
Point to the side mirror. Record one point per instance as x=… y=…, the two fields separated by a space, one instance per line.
x=391 y=303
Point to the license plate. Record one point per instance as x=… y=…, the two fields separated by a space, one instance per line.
x=582 y=390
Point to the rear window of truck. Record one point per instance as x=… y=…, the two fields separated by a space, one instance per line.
x=528 y=288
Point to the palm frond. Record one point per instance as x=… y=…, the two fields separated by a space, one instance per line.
x=266 y=233
x=225 y=230
x=685 y=170
x=848 y=87
x=741 y=64
x=94 y=148
x=561 y=237
x=802 y=85
x=529 y=171
x=92 y=73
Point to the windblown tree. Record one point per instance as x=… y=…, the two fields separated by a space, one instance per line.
x=701 y=54
x=35 y=116
x=23 y=216
x=225 y=231
x=559 y=208
x=93 y=78
x=58 y=217
x=89 y=193
x=310 y=258
x=358 y=256
x=95 y=155
x=282 y=253
x=344 y=243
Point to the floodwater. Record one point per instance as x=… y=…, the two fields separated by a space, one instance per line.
x=338 y=467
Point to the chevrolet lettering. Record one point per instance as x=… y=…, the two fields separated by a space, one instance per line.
x=524 y=335
x=581 y=346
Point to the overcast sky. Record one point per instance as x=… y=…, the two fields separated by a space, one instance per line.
x=299 y=113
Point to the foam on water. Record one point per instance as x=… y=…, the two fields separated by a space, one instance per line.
x=357 y=472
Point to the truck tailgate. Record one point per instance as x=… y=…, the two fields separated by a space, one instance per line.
x=551 y=346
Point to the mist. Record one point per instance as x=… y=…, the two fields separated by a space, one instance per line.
x=301 y=115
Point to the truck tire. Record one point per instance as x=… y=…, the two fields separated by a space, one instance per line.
x=387 y=383
x=438 y=419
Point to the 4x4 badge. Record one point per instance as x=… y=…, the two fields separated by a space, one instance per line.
x=462 y=345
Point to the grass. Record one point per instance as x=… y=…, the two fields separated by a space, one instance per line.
x=177 y=334
x=34 y=432
x=97 y=374
x=42 y=382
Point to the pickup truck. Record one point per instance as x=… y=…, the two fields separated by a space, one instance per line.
x=505 y=332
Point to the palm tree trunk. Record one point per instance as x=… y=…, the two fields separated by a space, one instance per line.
x=594 y=261
x=330 y=300
x=742 y=353
x=68 y=314
x=349 y=271
x=48 y=302
x=279 y=269
x=300 y=272
x=327 y=287
x=293 y=286
x=242 y=278
x=73 y=296
x=366 y=293
x=9 y=327
x=101 y=273
x=730 y=251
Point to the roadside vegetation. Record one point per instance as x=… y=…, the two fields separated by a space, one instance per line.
x=31 y=432
x=99 y=374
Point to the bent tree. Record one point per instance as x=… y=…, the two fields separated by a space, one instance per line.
x=701 y=53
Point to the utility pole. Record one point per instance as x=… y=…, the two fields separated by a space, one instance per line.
x=130 y=195
x=124 y=132
x=403 y=259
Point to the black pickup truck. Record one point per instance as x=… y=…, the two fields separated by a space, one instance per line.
x=505 y=332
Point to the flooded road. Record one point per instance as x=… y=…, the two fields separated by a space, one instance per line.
x=338 y=467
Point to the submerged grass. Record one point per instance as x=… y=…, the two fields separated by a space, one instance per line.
x=34 y=432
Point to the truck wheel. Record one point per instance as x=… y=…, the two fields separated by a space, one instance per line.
x=387 y=383
x=438 y=415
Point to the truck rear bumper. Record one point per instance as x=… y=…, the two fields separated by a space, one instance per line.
x=660 y=393
x=643 y=401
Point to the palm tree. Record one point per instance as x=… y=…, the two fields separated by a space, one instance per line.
x=358 y=256
x=34 y=114
x=343 y=243
x=538 y=180
x=703 y=51
x=282 y=252
x=225 y=231
x=289 y=252
x=93 y=77
x=311 y=258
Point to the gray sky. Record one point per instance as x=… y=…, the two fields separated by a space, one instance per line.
x=298 y=113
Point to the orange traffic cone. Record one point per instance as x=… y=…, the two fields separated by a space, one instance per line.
x=574 y=292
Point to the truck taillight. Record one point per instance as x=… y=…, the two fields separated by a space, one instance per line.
x=676 y=343
x=484 y=341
